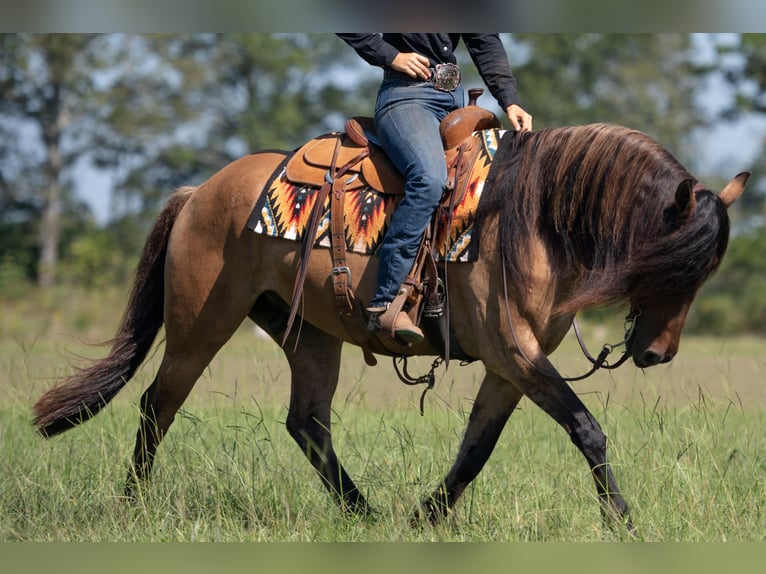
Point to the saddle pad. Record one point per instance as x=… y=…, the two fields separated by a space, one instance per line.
x=283 y=211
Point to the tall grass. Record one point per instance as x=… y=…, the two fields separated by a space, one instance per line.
x=686 y=442
x=229 y=471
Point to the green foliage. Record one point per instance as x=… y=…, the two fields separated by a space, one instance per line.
x=14 y=279
x=734 y=300
x=90 y=259
x=643 y=81
x=17 y=255
x=742 y=62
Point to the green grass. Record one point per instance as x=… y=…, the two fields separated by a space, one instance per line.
x=229 y=471
x=686 y=443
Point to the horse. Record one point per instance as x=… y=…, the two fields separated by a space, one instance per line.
x=571 y=218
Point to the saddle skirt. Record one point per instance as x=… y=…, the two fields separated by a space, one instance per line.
x=374 y=189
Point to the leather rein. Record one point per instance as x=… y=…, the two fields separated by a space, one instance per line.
x=597 y=363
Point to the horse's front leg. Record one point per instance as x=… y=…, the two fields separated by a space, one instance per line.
x=494 y=403
x=548 y=390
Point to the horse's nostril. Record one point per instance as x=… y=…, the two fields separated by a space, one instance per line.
x=650 y=358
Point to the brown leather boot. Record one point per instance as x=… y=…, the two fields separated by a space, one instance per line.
x=394 y=324
x=405 y=329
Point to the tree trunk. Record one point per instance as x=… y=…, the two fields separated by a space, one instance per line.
x=50 y=222
x=49 y=235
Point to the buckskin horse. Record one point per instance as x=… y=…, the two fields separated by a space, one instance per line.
x=571 y=218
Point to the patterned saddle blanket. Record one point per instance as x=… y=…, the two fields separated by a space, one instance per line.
x=284 y=208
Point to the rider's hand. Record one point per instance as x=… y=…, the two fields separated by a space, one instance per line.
x=412 y=64
x=520 y=120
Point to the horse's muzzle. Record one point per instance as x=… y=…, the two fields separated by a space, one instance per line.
x=650 y=358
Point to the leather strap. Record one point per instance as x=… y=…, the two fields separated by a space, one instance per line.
x=341 y=274
x=348 y=306
x=457 y=168
x=309 y=238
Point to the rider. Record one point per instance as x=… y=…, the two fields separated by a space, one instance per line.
x=421 y=85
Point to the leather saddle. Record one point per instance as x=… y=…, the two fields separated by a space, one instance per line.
x=311 y=163
x=343 y=161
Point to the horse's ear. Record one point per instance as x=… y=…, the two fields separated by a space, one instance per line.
x=734 y=188
x=685 y=200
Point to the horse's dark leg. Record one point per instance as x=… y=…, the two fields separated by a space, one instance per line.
x=314 y=369
x=494 y=403
x=159 y=404
x=558 y=400
x=314 y=366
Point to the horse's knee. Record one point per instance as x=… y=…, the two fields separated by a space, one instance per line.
x=589 y=438
x=306 y=431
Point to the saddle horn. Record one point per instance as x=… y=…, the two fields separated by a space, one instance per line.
x=473 y=95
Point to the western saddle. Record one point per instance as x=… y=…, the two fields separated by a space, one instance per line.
x=349 y=160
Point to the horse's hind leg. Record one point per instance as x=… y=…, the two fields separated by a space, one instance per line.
x=205 y=303
x=187 y=354
x=496 y=400
x=159 y=405
x=314 y=367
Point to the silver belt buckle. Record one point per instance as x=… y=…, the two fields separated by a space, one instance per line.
x=446 y=77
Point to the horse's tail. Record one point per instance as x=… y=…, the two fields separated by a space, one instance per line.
x=80 y=396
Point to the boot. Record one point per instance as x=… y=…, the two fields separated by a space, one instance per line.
x=394 y=323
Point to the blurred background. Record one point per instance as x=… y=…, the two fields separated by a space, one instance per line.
x=96 y=130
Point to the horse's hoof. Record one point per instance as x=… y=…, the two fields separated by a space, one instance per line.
x=430 y=513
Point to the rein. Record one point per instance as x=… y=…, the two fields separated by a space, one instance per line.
x=606 y=350
x=428 y=379
x=597 y=363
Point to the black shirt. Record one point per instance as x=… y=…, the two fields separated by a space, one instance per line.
x=486 y=51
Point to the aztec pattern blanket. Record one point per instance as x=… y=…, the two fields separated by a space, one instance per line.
x=283 y=210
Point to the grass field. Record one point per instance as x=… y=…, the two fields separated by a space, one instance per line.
x=686 y=442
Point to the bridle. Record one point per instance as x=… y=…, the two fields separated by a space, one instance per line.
x=606 y=350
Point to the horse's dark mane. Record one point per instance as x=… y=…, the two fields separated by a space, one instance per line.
x=601 y=197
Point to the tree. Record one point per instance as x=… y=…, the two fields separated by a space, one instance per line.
x=743 y=65
x=644 y=81
x=156 y=111
x=734 y=300
x=243 y=93
x=44 y=83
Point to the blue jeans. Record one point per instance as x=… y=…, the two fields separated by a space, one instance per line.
x=407 y=118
